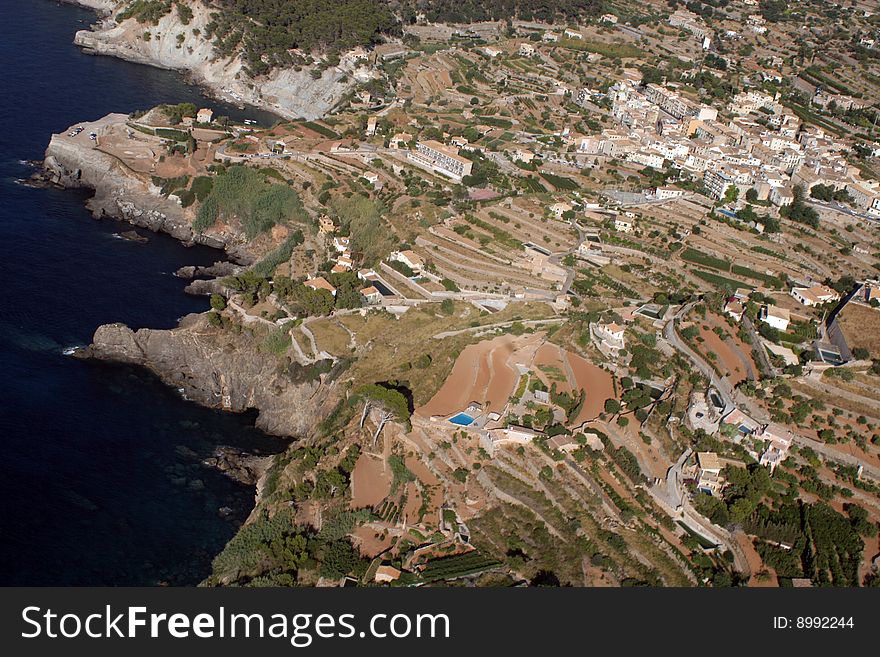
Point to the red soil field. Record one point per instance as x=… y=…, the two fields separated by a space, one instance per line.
x=370 y=482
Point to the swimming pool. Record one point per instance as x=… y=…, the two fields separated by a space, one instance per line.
x=462 y=419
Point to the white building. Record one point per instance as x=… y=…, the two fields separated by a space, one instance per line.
x=443 y=159
x=623 y=226
x=815 y=295
x=778 y=318
x=409 y=258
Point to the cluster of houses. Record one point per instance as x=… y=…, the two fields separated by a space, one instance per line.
x=343 y=263
x=767 y=443
x=776 y=316
x=764 y=146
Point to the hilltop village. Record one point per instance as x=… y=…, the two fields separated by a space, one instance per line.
x=593 y=302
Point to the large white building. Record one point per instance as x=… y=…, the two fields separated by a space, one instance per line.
x=443 y=159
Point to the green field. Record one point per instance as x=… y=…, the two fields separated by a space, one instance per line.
x=721 y=281
x=320 y=129
x=700 y=258
x=560 y=182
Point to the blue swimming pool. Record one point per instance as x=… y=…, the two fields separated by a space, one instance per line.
x=462 y=419
x=728 y=213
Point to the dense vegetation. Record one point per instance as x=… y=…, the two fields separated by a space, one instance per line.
x=466 y=11
x=268 y=30
x=246 y=195
x=797 y=539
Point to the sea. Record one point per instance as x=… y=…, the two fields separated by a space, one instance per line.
x=102 y=480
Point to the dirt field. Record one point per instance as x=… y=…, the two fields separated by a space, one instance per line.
x=598 y=383
x=482 y=374
x=861 y=326
x=370 y=482
x=732 y=357
x=370 y=542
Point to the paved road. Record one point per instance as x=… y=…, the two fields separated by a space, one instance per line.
x=473 y=329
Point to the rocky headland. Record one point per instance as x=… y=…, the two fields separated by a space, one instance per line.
x=217 y=368
x=173 y=44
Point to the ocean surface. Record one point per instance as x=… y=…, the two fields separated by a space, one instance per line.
x=101 y=474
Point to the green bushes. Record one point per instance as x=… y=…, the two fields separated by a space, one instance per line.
x=458 y=565
x=700 y=258
x=560 y=182
x=202 y=186
x=245 y=194
x=146 y=11
x=278 y=341
x=720 y=281
x=266 y=267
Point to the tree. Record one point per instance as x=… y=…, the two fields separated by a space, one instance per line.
x=218 y=302
x=612 y=406
x=730 y=195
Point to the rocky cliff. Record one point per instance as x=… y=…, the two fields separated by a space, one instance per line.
x=122 y=193
x=217 y=368
x=173 y=45
x=104 y=6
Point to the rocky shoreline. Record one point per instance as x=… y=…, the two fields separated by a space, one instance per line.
x=216 y=368
x=289 y=93
x=124 y=195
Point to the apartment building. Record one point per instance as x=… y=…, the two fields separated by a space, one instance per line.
x=441 y=158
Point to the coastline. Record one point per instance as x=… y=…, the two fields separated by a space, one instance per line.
x=121 y=193
x=288 y=93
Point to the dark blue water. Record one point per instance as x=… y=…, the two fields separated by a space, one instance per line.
x=101 y=479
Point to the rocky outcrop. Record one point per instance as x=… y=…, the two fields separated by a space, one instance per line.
x=217 y=368
x=119 y=191
x=171 y=44
x=245 y=468
x=103 y=6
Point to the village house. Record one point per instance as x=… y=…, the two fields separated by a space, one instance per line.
x=609 y=336
x=622 y=225
x=734 y=308
x=400 y=140
x=373 y=178
x=320 y=283
x=563 y=443
x=341 y=243
x=559 y=209
x=664 y=193
x=526 y=49
x=781 y=196
x=409 y=258
x=778 y=318
x=204 y=115
x=709 y=479
x=742 y=425
x=371 y=126
x=815 y=295
x=371 y=295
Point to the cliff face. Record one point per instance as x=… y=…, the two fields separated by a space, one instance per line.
x=119 y=192
x=173 y=45
x=219 y=369
x=104 y=6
